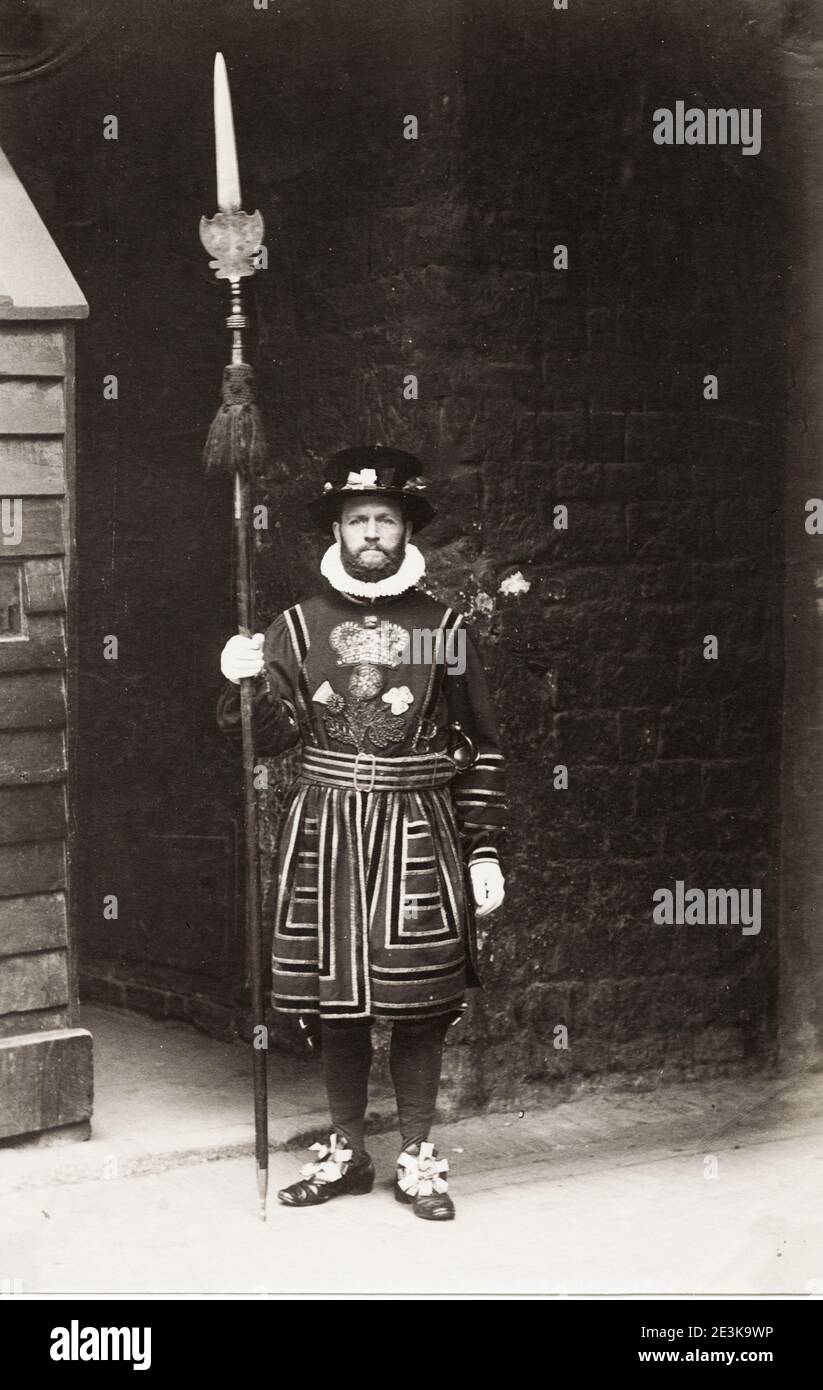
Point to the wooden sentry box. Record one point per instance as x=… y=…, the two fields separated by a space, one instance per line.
x=45 y=1060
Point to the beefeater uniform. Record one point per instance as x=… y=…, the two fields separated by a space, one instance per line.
x=401 y=786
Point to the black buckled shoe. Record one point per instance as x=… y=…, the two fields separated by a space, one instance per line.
x=336 y=1172
x=421 y=1182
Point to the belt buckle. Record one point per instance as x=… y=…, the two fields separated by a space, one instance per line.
x=361 y=753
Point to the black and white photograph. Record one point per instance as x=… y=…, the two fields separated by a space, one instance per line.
x=411 y=663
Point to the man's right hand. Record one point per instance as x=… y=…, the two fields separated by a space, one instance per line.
x=242 y=657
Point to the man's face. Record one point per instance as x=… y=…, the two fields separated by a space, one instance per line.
x=372 y=536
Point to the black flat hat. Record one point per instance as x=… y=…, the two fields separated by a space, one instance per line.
x=370 y=468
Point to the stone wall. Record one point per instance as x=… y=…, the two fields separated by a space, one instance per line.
x=538 y=388
x=582 y=388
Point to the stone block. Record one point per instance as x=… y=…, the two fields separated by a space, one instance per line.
x=669 y=787
x=587 y=737
x=689 y=730
x=640 y=680
x=630 y=479
x=737 y=785
x=638 y=734
x=657 y=531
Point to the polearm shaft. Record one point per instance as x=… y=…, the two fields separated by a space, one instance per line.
x=236 y=444
x=254 y=924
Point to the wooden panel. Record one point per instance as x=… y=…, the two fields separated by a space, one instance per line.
x=32 y=702
x=37 y=923
x=31 y=467
x=45 y=1081
x=32 y=868
x=31 y=755
x=38 y=981
x=33 y=406
x=11 y=601
x=43 y=649
x=33 y=1021
x=41 y=528
x=31 y=350
x=32 y=813
x=45 y=588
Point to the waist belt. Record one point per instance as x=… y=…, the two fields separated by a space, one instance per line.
x=366 y=772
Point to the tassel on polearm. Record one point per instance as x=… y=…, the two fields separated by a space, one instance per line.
x=236 y=441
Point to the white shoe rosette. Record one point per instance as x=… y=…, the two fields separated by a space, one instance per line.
x=331 y=1162
x=419 y=1175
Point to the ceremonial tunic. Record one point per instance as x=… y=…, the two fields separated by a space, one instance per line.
x=373 y=907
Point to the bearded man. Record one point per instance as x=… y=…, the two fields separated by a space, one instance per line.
x=388 y=846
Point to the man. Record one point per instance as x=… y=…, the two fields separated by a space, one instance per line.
x=387 y=849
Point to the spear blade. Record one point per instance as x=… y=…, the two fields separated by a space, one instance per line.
x=225 y=148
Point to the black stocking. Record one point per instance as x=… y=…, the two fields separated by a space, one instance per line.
x=346 y=1056
x=415 y=1060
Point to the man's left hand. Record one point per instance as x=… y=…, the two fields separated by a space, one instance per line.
x=487 y=882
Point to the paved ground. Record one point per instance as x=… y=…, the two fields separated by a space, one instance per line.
x=686 y=1189
x=607 y=1222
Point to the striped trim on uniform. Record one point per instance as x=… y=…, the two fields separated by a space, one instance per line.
x=301 y=641
x=376 y=879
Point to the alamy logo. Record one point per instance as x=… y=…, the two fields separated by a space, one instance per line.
x=734 y=125
x=433 y=645
x=76 y=1343
x=699 y=907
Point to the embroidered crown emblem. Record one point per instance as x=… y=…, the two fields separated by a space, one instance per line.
x=377 y=646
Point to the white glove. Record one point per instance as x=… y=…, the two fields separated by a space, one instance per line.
x=242 y=657
x=487 y=882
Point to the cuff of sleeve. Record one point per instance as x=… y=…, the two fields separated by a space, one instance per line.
x=484 y=854
x=238 y=682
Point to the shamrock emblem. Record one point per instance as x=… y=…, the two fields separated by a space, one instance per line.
x=399 y=697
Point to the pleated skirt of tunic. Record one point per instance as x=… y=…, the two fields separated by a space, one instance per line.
x=372 y=916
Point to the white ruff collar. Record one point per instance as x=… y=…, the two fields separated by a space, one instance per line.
x=410 y=572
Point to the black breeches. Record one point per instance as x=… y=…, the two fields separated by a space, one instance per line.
x=415 y=1060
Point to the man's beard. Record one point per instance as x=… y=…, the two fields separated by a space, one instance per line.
x=393 y=557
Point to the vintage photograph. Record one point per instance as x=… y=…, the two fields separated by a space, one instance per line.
x=411 y=582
